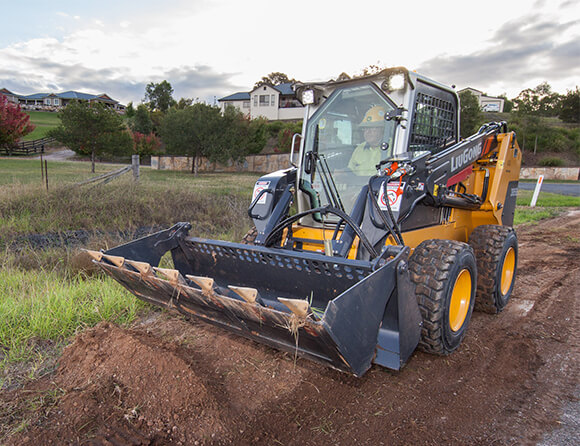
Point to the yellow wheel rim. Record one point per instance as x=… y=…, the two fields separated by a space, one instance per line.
x=460 y=299
x=507 y=271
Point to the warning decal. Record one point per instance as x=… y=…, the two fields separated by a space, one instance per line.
x=259 y=187
x=394 y=196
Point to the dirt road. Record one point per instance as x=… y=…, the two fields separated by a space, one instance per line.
x=168 y=381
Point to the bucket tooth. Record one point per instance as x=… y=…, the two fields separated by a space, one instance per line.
x=205 y=283
x=248 y=294
x=115 y=260
x=299 y=307
x=95 y=255
x=172 y=274
x=143 y=267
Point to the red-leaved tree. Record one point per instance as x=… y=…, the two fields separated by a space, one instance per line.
x=145 y=145
x=14 y=123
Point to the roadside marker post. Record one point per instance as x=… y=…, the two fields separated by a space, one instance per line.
x=537 y=191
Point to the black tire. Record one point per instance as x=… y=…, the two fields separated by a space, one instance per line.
x=444 y=273
x=250 y=236
x=496 y=251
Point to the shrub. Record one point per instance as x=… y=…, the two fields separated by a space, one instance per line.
x=145 y=145
x=551 y=161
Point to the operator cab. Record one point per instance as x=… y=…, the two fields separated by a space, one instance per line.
x=346 y=138
x=354 y=126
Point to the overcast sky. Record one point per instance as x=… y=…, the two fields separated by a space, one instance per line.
x=212 y=48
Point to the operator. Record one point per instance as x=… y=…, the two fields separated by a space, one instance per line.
x=368 y=153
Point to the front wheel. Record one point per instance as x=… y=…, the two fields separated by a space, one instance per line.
x=445 y=275
x=496 y=250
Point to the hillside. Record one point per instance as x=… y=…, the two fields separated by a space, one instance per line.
x=43 y=122
x=545 y=141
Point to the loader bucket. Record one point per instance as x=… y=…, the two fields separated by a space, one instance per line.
x=340 y=312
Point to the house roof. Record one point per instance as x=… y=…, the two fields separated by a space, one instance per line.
x=76 y=95
x=7 y=92
x=36 y=96
x=285 y=89
x=236 y=97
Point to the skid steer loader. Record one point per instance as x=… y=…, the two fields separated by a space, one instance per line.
x=362 y=250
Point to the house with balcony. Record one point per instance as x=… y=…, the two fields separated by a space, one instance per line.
x=273 y=102
x=486 y=103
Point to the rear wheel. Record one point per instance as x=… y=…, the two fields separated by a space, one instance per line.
x=496 y=251
x=445 y=275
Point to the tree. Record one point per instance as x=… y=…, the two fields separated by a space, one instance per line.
x=92 y=129
x=129 y=110
x=145 y=145
x=570 y=107
x=540 y=100
x=202 y=130
x=274 y=78
x=184 y=103
x=142 y=121
x=14 y=123
x=508 y=104
x=192 y=131
x=159 y=96
x=470 y=113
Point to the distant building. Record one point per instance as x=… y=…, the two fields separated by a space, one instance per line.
x=55 y=101
x=12 y=97
x=486 y=103
x=277 y=102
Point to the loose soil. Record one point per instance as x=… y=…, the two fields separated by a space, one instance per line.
x=167 y=381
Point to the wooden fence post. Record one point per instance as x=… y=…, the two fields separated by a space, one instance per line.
x=135 y=167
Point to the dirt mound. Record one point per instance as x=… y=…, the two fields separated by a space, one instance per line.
x=170 y=381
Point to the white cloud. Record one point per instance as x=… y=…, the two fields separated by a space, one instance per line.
x=236 y=43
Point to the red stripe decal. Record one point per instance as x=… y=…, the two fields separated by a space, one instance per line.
x=463 y=175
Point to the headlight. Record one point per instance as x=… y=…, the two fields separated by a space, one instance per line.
x=308 y=97
x=397 y=81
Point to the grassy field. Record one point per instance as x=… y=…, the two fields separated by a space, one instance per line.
x=48 y=294
x=44 y=121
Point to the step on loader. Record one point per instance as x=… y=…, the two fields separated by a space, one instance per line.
x=382 y=236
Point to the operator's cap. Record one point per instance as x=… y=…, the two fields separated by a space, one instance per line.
x=374 y=117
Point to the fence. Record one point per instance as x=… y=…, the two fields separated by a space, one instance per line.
x=26 y=147
x=252 y=163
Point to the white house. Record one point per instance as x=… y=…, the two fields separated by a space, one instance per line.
x=277 y=102
x=486 y=103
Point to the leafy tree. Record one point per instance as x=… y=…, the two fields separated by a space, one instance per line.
x=274 y=78
x=142 y=121
x=202 y=130
x=92 y=129
x=192 y=131
x=508 y=104
x=129 y=110
x=570 y=107
x=159 y=97
x=183 y=103
x=471 y=115
x=540 y=100
x=14 y=123
x=241 y=135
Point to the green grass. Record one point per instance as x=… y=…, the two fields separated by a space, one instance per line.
x=44 y=306
x=44 y=122
x=547 y=199
x=548 y=206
